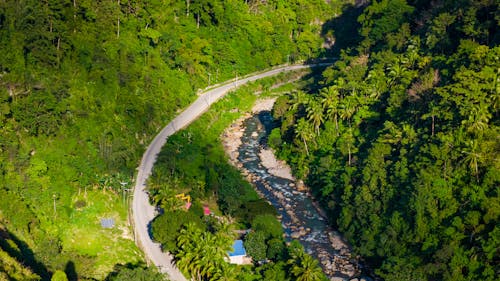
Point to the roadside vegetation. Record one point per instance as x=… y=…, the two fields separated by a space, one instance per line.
x=398 y=140
x=194 y=162
x=85 y=85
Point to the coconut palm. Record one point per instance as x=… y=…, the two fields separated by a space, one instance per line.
x=315 y=114
x=304 y=267
x=330 y=100
x=347 y=109
x=473 y=157
x=226 y=272
x=201 y=253
x=307 y=270
x=479 y=117
x=299 y=98
x=304 y=131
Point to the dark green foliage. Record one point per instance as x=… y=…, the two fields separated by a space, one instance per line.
x=406 y=156
x=85 y=85
x=249 y=210
x=166 y=227
x=133 y=273
x=382 y=17
x=268 y=225
x=275 y=249
x=275 y=271
x=265 y=241
x=255 y=244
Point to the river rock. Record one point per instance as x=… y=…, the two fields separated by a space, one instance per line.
x=349 y=270
x=300 y=186
x=287 y=198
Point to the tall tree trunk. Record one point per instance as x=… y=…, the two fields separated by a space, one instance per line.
x=349 y=149
x=432 y=127
x=337 y=125
x=118 y=21
x=74 y=16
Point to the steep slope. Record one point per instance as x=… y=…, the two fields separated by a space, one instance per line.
x=401 y=141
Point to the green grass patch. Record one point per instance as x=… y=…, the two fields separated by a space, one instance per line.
x=84 y=235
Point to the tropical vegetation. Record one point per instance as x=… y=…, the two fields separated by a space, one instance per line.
x=85 y=85
x=193 y=162
x=400 y=141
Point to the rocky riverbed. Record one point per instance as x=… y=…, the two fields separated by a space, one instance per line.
x=301 y=217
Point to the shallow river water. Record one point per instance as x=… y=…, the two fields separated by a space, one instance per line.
x=300 y=217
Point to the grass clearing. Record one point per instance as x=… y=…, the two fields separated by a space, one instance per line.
x=84 y=235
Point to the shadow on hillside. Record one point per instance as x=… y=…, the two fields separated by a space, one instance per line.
x=344 y=29
x=70 y=271
x=20 y=251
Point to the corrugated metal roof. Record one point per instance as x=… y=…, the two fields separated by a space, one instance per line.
x=238 y=249
x=107 y=223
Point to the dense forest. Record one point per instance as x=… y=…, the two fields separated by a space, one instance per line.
x=401 y=142
x=84 y=85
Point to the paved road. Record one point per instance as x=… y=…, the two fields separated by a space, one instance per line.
x=142 y=211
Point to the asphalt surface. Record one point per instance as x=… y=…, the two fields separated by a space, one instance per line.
x=142 y=211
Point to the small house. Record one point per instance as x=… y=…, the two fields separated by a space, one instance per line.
x=239 y=254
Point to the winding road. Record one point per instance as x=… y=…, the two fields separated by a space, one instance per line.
x=142 y=211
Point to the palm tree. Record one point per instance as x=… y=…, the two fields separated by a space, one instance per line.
x=347 y=109
x=315 y=114
x=397 y=71
x=432 y=114
x=201 y=253
x=299 y=98
x=304 y=132
x=226 y=272
x=473 y=156
x=348 y=140
x=308 y=270
x=305 y=267
x=225 y=232
x=330 y=100
x=478 y=118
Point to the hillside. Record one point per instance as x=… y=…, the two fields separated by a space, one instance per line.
x=401 y=141
x=84 y=85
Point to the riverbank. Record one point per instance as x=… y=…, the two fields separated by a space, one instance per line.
x=232 y=141
x=335 y=257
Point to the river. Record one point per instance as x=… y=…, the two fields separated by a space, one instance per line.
x=299 y=214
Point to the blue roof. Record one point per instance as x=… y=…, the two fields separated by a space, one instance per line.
x=238 y=249
x=107 y=223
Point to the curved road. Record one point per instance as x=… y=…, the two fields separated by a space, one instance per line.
x=143 y=211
